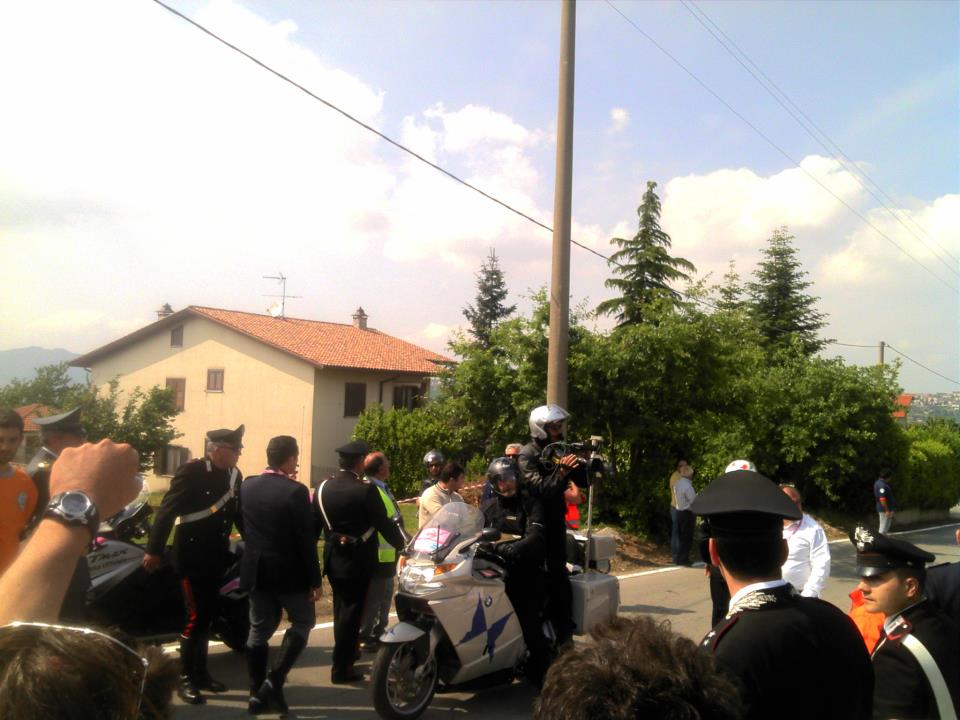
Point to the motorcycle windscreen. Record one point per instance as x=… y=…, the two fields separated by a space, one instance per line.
x=453 y=522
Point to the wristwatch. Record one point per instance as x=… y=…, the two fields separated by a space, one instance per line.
x=74 y=508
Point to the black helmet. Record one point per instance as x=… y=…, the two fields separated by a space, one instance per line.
x=503 y=468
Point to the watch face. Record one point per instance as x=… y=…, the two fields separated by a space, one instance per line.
x=75 y=504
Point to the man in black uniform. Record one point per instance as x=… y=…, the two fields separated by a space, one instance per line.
x=548 y=482
x=202 y=503
x=943 y=587
x=351 y=513
x=59 y=432
x=772 y=638
x=916 y=661
x=515 y=512
x=279 y=568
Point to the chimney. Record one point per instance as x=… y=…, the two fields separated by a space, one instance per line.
x=165 y=311
x=360 y=319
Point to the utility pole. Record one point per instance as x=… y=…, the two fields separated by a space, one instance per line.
x=563 y=191
x=882 y=346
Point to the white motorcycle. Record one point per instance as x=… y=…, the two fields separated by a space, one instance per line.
x=456 y=623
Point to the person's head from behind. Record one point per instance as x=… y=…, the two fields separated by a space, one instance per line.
x=376 y=465
x=48 y=672
x=283 y=454
x=452 y=476
x=11 y=434
x=636 y=668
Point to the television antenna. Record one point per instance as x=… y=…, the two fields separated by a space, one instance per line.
x=279 y=309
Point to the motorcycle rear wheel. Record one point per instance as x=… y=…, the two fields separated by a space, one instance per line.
x=402 y=690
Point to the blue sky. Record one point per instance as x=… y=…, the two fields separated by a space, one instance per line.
x=148 y=163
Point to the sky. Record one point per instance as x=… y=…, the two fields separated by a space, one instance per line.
x=143 y=163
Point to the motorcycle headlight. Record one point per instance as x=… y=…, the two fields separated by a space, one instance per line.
x=421 y=579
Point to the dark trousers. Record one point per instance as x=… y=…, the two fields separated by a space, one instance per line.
x=685 y=525
x=674 y=535
x=201 y=598
x=525 y=590
x=559 y=594
x=265 y=609
x=349 y=596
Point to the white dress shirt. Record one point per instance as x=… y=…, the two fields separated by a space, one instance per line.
x=683 y=493
x=808 y=563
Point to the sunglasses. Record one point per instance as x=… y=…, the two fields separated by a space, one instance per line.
x=89 y=631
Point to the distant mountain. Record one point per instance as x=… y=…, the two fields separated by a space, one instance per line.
x=23 y=362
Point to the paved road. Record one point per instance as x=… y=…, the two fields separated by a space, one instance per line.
x=680 y=595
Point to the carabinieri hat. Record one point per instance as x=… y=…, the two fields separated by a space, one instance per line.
x=68 y=422
x=228 y=437
x=745 y=504
x=354 y=447
x=878 y=554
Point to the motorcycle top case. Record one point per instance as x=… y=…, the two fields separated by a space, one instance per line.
x=596 y=599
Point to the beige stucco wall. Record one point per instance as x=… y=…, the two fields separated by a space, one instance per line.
x=269 y=391
x=330 y=428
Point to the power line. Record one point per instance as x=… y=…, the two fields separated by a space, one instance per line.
x=834 y=342
x=774 y=145
x=915 y=362
x=809 y=126
x=478 y=190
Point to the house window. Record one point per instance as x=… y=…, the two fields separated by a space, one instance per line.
x=214 y=380
x=405 y=396
x=169 y=458
x=354 y=399
x=179 y=387
x=176 y=336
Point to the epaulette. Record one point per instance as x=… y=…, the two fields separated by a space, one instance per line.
x=713 y=637
x=902 y=629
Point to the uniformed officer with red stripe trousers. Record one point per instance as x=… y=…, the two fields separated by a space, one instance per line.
x=203 y=504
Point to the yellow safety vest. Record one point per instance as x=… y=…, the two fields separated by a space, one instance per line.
x=386 y=553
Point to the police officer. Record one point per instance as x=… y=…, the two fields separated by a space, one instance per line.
x=279 y=568
x=57 y=433
x=202 y=503
x=772 y=638
x=514 y=511
x=351 y=513
x=548 y=482
x=916 y=661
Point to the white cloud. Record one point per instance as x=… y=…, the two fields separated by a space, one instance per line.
x=619 y=119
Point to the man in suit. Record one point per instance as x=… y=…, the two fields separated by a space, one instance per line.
x=280 y=569
x=916 y=661
x=202 y=503
x=771 y=636
x=352 y=513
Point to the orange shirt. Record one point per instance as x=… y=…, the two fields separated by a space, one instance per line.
x=869 y=624
x=18 y=498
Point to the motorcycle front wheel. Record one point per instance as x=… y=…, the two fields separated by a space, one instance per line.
x=402 y=688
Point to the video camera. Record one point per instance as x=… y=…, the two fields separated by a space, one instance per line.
x=588 y=454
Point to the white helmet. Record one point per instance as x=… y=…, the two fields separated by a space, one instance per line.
x=741 y=465
x=544 y=414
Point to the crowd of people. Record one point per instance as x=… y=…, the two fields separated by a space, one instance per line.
x=767 y=560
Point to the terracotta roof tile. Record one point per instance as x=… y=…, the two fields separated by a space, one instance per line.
x=33 y=410
x=322 y=344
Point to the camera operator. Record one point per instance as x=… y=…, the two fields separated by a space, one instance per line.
x=548 y=482
x=515 y=512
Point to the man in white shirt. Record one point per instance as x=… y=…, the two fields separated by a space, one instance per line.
x=808 y=562
x=683 y=496
x=442 y=492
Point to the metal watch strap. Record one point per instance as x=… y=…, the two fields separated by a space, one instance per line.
x=55 y=511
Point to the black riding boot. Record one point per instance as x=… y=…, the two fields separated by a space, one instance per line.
x=187 y=688
x=203 y=679
x=257 y=670
x=272 y=688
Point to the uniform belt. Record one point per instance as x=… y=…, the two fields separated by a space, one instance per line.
x=216 y=507
x=343 y=539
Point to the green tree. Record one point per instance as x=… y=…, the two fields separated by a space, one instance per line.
x=141 y=418
x=50 y=386
x=644 y=266
x=731 y=290
x=491 y=294
x=778 y=298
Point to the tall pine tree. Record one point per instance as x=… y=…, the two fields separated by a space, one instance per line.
x=491 y=293
x=731 y=291
x=778 y=301
x=644 y=265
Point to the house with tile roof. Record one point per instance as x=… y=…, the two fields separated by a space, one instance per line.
x=276 y=375
x=31 y=431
